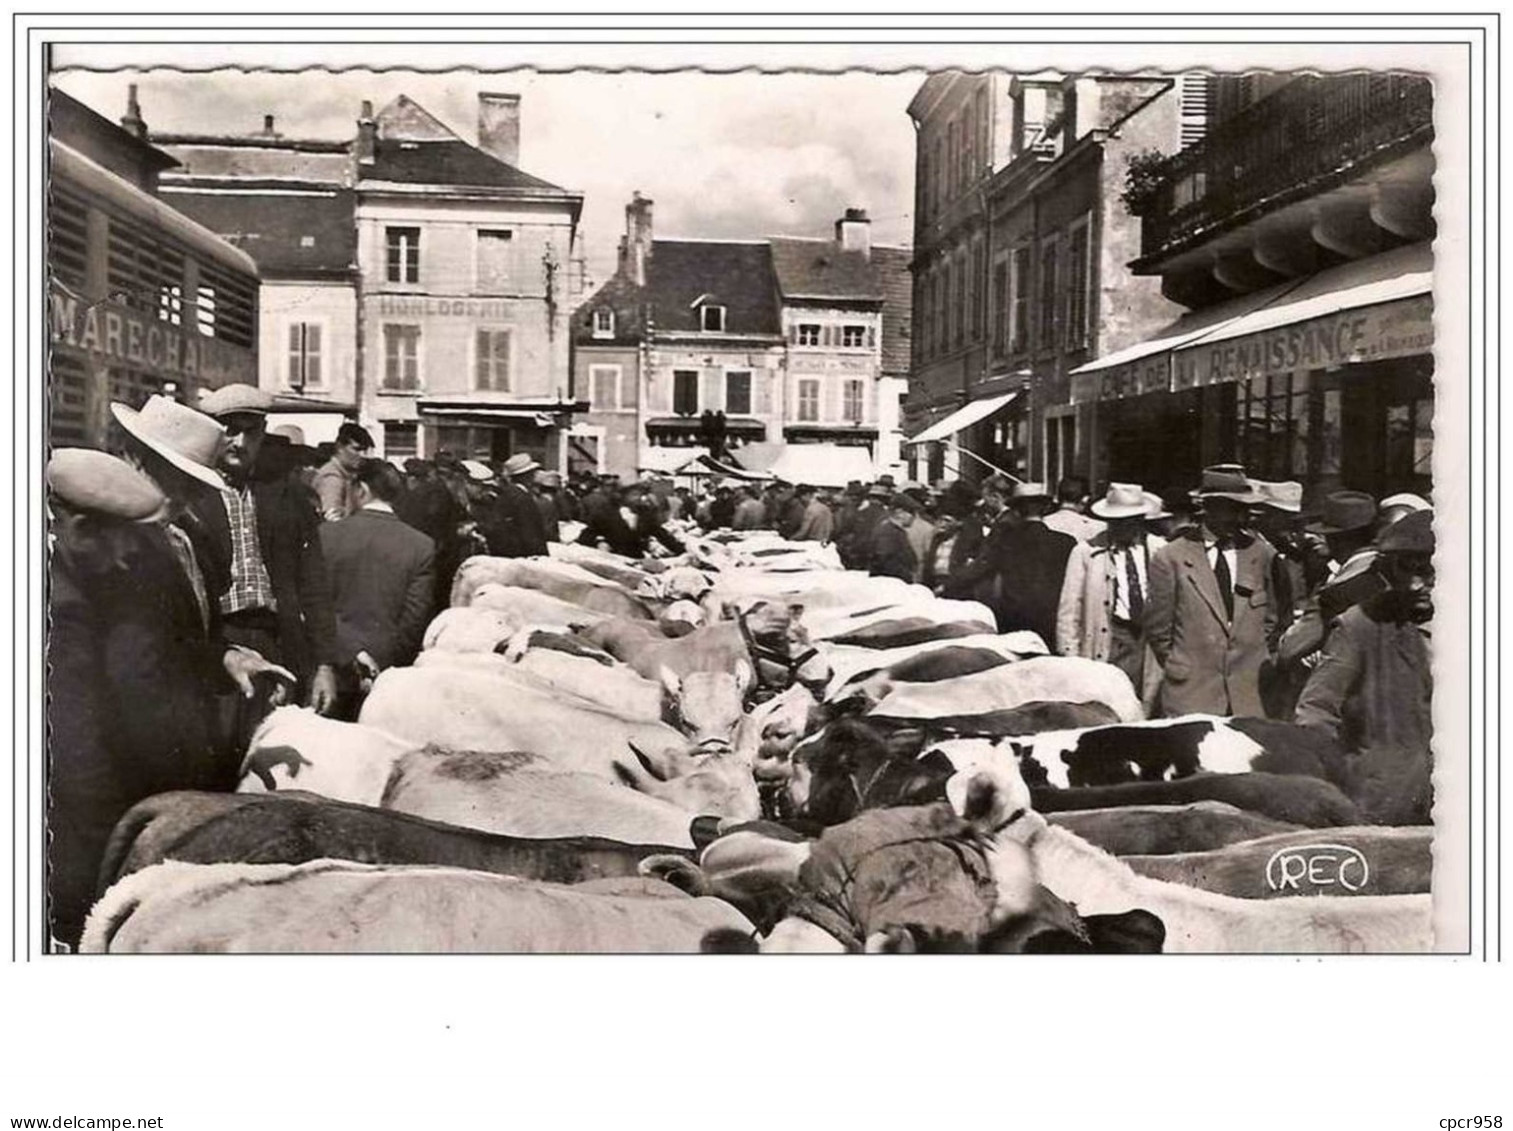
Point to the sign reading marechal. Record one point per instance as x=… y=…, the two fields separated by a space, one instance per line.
x=1350 y=337
x=127 y=337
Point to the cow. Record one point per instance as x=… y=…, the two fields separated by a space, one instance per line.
x=290 y=827
x=928 y=661
x=336 y=906
x=1342 y=862
x=1161 y=749
x=1159 y=830
x=528 y=606
x=600 y=563
x=952 y=704
x=294 y=748
x=513 y=795
x=469 y=629
x=579 y=681
x=459 y=708
x=562 y=580
x=872 y=607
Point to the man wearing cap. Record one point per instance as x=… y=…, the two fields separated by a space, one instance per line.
x=510 y=521
x=135 y=653
x=269 y=576
x=891 y=554
x=333 y=483
x=1347 y=523
x=817 y=524
x=1101 y=615
x=1373 y=688
x=1210 y=611
x=1068 y=517
x=871 y=510
x=1022 y=565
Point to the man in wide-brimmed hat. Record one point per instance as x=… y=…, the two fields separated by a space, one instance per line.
x=510 y=521
x=1020 y=569
x=135 y=653
x=1296 y=570
x=1101 y=614
x=1373 y=688
x=270 y=578
x=1210 y=613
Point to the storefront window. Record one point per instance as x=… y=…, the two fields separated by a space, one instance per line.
x=1331 y=434
x=1410 y=443
x=1272 y=420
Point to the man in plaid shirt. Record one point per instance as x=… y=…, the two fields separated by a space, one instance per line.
x=268 y=575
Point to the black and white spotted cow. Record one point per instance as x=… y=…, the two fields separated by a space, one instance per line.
x=1168 y=749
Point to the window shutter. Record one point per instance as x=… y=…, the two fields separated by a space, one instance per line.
x=481 y=359
x=831 y=393
x=761 y=393
x=871 y=337
x=711 y=394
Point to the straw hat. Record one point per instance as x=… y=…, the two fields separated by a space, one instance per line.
x=90 y=480
x=1126 y=500
x=189 y=440
x=519 y=464
x=1411 y=502
x=1280 y=496
x=236 y=398
x=477 y=471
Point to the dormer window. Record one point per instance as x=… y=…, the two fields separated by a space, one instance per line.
x=604 y=323
x=712 y=318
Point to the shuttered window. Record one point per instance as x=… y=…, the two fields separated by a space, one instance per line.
x=304 y=356
x=808 y=400
x=492 y=361
x=401 y=356
x=496 y=248
x=685 y=391
x=853 y=401
x=1077 y=271
x=738 y=392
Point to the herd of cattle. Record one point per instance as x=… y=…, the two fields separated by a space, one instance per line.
x=753 y=749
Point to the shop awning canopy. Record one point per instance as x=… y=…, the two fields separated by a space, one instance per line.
x=964 y=417
x=734 y=425
x=1365 y=310
x=824 y=465
x=488 y=413
x=667 y=461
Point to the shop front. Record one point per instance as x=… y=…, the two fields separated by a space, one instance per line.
x=492 y=432
x=986 y=436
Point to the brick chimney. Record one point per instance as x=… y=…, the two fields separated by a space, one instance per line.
x=638 y=236
x=853 y=231
x=499 y=126
x=366 y=145
x=133 y=120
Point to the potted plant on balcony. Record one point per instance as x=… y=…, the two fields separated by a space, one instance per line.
x=1142 y=180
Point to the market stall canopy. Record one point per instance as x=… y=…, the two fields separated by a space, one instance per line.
x=824 y=465
x=708 y=465
x=760 y=455
x=964 y=417
x=1366 y=310
x=668 y=461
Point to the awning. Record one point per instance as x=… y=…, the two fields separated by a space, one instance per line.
x=964 y=417
x=1366 y=310
x=708 y=465
x=666 y=461
x=824 y=465
x=489 y=413
x=734 y=425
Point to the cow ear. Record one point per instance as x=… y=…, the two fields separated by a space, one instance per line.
x=744 y=677
x=670 y=681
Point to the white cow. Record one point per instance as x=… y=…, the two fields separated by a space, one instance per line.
x=849 y=664
x=1040 y=679
x=528 y=606
x=294 y=748
x=336 y=906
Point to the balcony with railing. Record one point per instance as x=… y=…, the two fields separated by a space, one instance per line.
x=1313 y=135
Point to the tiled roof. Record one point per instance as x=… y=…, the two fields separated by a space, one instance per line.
x=627 y=300
x=813 y=268
x=892 y=267
x=448 y=163
x=239 y=159
x=287 y=235
x=737 y=276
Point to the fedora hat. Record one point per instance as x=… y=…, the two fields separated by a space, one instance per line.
x=1342 y=512
x=291 y=432
x=1411 y=502
x=519 y=464
x=1224 y=483
x=92 y=480
x=236 y=398
x=1280 y=496
x=477 y=471
x=879 y=491
x=550 y=479
x=1125 y=500
x=1027 y=490
x=1413 y=534
x=189 y=440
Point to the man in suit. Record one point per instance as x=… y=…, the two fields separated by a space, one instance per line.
x=891 y=554
x=1211 y=606
x=1068 y=518
x=268 y=576
x=381 y=578
x=1101 y=615
x=1020 y=569
x=511 y=521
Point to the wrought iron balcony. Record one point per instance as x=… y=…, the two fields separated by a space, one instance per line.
x=1313 y=134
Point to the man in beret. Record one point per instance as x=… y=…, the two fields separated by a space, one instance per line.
x=270 y=579
x=1373 y=689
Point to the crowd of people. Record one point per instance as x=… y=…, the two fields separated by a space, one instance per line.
x=211 y=570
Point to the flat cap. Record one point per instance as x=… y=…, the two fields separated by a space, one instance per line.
x=235 y=398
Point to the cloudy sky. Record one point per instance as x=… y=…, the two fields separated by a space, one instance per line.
x=723 y=156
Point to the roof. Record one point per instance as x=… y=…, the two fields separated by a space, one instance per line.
x=448 y=163
x=818 y=268
x=737 y=276
x=287 y=235
x=112 y=146
x=622 y=296
x=240 y=159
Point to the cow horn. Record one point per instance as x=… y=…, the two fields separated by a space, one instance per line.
x=678 y=871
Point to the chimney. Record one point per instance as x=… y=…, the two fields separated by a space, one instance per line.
x=638 y=236
x=853 y=232
x=133 y=120
x=367 y=136
x=499 y=126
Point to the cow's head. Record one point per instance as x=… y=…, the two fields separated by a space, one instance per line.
x=852 y=765
x=681 y=617
x=706 y=706
x=716 y=784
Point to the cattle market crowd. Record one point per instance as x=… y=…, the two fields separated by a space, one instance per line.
x=294 y=692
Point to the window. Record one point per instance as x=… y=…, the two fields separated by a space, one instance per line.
x=712 y=319
x=400 y=441
x=953 y=148
x=1047 y=340
x=305 y=355
x=853 y=337
x=979 y=276
x=1060 y=447
x=1273 y=425
x=1019 y=301
x=853 y=401
x=809 y=400
x=401 y=356
x=495 y=260
x=984 y=158
x=923 y=297
x=1077 y=271
x=738 y=392
x=809 y=334
x=1000 y=307
x=685 y=391
x=604 y=387
x=491 y=360
x=404 y=254
x=604 y=323
x=205 y=311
